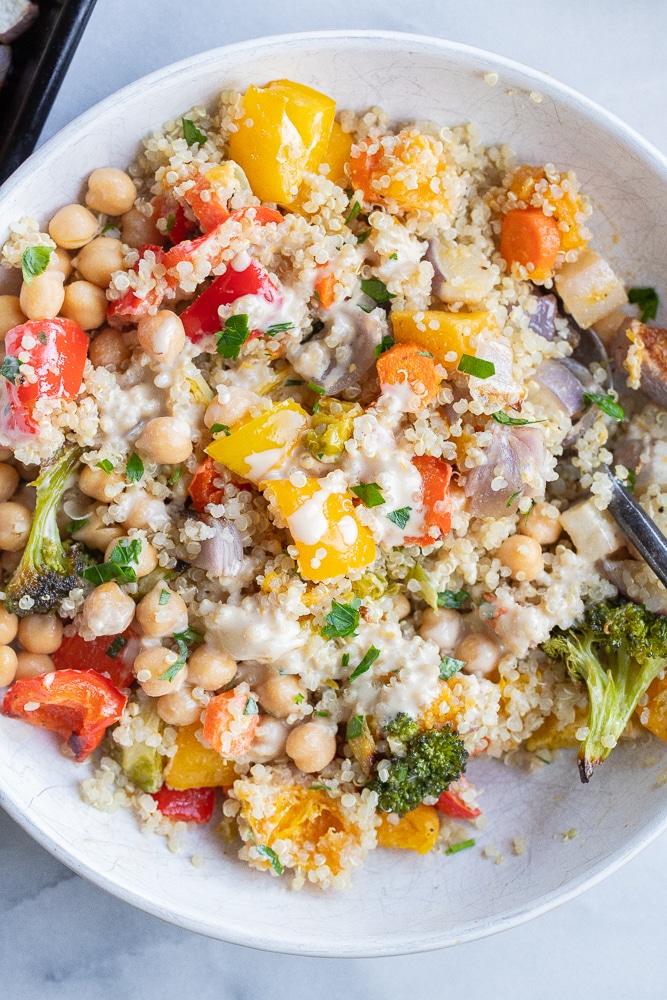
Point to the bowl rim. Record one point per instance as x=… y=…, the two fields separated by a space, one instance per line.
x=38 y=829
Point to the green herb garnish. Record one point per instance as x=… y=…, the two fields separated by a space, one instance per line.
x=314 y=387
x=77 y=525
x=294 y=381
x=345 y=660
x=605 y=403
x=385 y=344
x=234 y=333
x=632 y=479
x=122 y=565
x=171 y=219
x=34 y=261
x=476 y=366
x=220 y=429
x=176 y=667
x=191 y=133
x=452 y=598
x=278 y=328
x=362 y=237
x=355 y=727
x=116 y=646
x=298 y=699
x=400 y=517
x=270 y=855
x=134 y=469
x=462 y=845
x=164 y=597
x=376 y=290
x=105 y=465
x=188 y=635
x=449 y=666
x=370 y=494
x=10 y=368
x=251 y=707
x=354 y=212
x=647 y=300
x=503 y=418
x=366 y=662
x=342 y=620
x=513 y=497
x=176 y=476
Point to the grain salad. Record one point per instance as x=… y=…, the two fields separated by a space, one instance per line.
x=302 y=491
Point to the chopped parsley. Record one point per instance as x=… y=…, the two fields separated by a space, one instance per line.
x=188 y=635
x=322 y=715
x=354 y=212
x=632 y=479
x=314 y=387
x=400 y=517
x=278 y=328
x=76 y=525
x=605 y=403
x=294 y=381
x=476 y=366
x=110 y=228
x=452 y=598
x=298 y=699
x=345 y=660
x=393 y=256
x=42 y=338
x=191 y=133
x=376 y=290
x=164 y=597
x=319 y=788
x=220 y=429
x=355 y=727
x=171 y=219
x=462 y=845
x=34 y=261
x=362 y=237
x=176 y=667
x=342 y=620
x=314 y=330
x=234 y=333
x=251 y=707
x=105 y=465
x=270 y=855
x=116 y=646
x=122 y=565
x=176 y=476
x=647 y=300
x=514 y=497
x=10 y=368
x=385 y=344
x=450 y=666
x=503 y=418
x=366 y=663
x=370 y=494
x=134 y=469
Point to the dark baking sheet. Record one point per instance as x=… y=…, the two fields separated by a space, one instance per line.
x=40 y=58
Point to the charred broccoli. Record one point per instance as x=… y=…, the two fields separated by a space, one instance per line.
x=427 y=761
x=48 y=569
x=617 y=650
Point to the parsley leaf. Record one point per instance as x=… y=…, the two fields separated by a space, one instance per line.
x=270 y=855
x=355 y=727
x=385 y=344
x=462 y=845
x=191 y=133
x=314 y=387
x=366 y=662
x=122 y=565
x=105 y=465
x=189 y=635
x=354 y=212
x=116 y=646
x=449 y=666
x=376 y=290
x=220 y=429
x=647 y=300
x=171 y=219
x=176 y=667
x=251 y=707
x=632 y=479
x=77 y=525
x=513 y=497
x=278 y=328
x=503 y=418
x=370 y=494
x=342 y=620
x=176 y=476
x=234 y=333
x=134 y=469
x=10 y=368
x=400 y=517
x=452 y=599
x=362 y=237
x=164 y=597
x=298 y=699
x=35 y=261
x=605 y=403
x=294 y=381
x=476 y=366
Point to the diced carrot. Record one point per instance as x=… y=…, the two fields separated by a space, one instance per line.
x=324 y=286
x=435 y=476
x=529 y=237
x=223 y=711
x=208 y=210
x=410 y=363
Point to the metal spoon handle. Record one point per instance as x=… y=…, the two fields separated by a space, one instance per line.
x=639 y=528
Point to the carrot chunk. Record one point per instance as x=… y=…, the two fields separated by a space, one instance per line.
x=412 y=364
x=229 y=723
x=529 y=237
x=435 y=475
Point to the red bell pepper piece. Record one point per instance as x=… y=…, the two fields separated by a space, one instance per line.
x=452 y=804
x=77 y=704
x=435 y=475
x=193 y=805
x=202 y=489
x=182 y=226
x=55 y=350
x=111 y=656
x=210 y=213
x=130 y=307
x=202 y=316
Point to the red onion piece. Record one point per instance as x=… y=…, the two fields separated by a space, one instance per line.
x=559 y=380
x=514 y=455
x=222 y=553
x=542 y=320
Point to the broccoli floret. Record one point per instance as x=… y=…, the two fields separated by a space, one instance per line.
x=429 y=761
x=48 y=569
x=616 y=650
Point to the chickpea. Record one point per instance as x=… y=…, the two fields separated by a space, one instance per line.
x=96 y=534
x=111 y=191
x=480 y=652
x=40 y=633
x=232 y=405
x=85 y=304
x=149 y=666
x=210 y=668
x=99 y=484
x=179 y=708
x=311 y=746
x=9 y=625
x=158 y=619
x=542 y=524
x=98 y=260
x=108 y=349
x=8 y=664
x=60 y=262
x=269 y=740
x=278 y=694
x=106 y=611
x=33 y=665
x=43 y=297
x=142 y=509
x=5 y=454
x=162 y=336
x=147 y=556
x=72 y=227
x=9 y=480
x=137 y=230
x=401 y=607
x=9 y=561
x=443 y=627
x=165 y=440
x=11 y=314
x=15 y=522
x=523 y=557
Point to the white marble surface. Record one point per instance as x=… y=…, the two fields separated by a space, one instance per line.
x=62 y=938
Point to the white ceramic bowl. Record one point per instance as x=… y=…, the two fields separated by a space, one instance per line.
x=398 y=902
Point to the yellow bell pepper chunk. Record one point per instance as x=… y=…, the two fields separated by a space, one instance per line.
x=329 y=538
x=337 y=154
x=444 y=334
x=657 y=708
x=257 y=447
x=284 y=132
x=196 y=766
x=416 y=831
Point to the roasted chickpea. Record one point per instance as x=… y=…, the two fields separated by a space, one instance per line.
x=11 y=314
x=9 y=625
x=443 y=626
x=111 y=191
x=137 y=230
x=147 y=556
x=9 y=480
x=72 y=227
x=149 y=666
x=99 y=484
x=106 y=611
x=98 y=260
x=141 y=509
x=108 y=349
x=8 y=665
x=33 y=664
x=280 y=694
x=311 y=746
x=60 y=262
x=85 y=304
x=542 y=524
x=523 y=557
x=269 y=740
x=40 y=633
x=159 y=616
x=161 y=336
x=96 y=534
x=179 y=708
x=43 y=298
x=165 y=440
x=15 y=523
x=210 y=668
x=480 y=653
